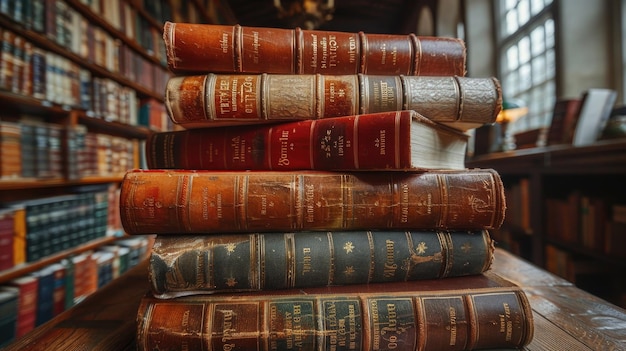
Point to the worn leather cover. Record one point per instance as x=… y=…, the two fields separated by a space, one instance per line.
x=193 y=201
x=465 y=313
x=211 y=99
x=196 y=48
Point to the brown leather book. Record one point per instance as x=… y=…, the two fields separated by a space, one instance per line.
x=475 y=312
x=396 y=140
x=210 y=99
x=192 y=201
x=236 y=49
x=202 y=264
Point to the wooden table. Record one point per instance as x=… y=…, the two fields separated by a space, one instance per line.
x=566 y=318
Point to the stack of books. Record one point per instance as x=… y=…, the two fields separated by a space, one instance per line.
x=316 y=197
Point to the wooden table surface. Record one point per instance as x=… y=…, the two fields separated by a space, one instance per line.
x=566 y=318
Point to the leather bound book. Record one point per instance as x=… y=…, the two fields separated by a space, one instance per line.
x=235 y=49
x=397 y=140
x=200 y=264
x=192 y=201
x=474 y=312
x=212 y=99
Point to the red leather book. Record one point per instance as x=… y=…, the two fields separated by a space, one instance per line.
x=474 y=312
x=211 y=99
x=27 y=306
x=191 y=201
x=204 y=264
x=235 y=49
x=397 y=140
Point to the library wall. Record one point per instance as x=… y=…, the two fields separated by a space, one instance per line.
x=81 y=88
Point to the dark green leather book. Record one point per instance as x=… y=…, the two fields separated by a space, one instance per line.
x=192 y=264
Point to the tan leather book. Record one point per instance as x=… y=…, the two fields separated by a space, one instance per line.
x=235 y=49
x=213 y=99
x=474 y=312
x=190 y=201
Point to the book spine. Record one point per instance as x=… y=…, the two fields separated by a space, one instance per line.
x=252 y=262
x=204 y=100
x=160 y=201
x=372 y=141
x=462 y=320
x=242 y=49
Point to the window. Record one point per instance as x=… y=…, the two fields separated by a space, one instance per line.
x=527 y=59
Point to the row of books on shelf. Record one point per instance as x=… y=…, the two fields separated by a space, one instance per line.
x=351 y=222
x=64 y=23
x=33 y=149
x=54 y=79
x=31 y=300
x=34 y=229
x=593 y=222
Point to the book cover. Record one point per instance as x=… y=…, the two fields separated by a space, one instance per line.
x=561 y=130
x=398 y=140
x=27 y=307
x=189 y=201
x=204 y=264
x=241 y=49
x=595 y=109
x=8 y=314
x=473 y=312
x=214 y=99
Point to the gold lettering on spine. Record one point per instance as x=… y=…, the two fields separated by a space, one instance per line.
x=390 y=264
x=297 y=326
x=185 y=324
x=314 y=49
x=255 y=46
x=332 y=325
x=309 y=203
x=248 y=95
x=228 y=330
x=404 y=202
x=352 y=47
x=283 y=160
x=224 y=43
x=307 y=266
x=332 y=50
x=375 y=325
x=452 y=326
x=223 y=92
x=506 y=324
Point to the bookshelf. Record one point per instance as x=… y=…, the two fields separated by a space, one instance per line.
x=81 y=88
x=560 y=205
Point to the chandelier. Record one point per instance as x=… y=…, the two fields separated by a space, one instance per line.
x=306 y=14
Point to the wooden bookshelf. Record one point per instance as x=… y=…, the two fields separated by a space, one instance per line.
x=103 y=72
x=558 y=176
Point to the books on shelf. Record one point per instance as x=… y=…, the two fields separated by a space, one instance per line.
x=395 y=140
x=231 y=99
x=194 y=47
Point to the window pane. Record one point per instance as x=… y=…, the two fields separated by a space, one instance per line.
x=511 y=21
x=524 y=50
x=537 y=41
x=549 y=25
x=524 y=77
x=523 y=12
x=539 y=69
x=512 y=58
x=536 y=6
x=550 y=64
